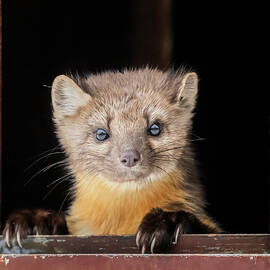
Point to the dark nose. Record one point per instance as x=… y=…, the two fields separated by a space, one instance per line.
x=130 y=158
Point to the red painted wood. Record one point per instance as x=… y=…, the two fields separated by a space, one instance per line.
x=118 y=262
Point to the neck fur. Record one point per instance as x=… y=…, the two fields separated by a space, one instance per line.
x=107 y=207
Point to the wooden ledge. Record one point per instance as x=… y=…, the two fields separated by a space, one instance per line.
x=223 y=251
x=188 y=244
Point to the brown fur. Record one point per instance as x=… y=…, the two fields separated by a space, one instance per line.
x=110 y=198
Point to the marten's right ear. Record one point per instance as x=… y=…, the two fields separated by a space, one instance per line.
x=67 y=96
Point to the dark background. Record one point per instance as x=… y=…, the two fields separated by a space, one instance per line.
x=225 y=44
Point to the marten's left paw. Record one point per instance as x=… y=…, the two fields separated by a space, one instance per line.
x=159 y=230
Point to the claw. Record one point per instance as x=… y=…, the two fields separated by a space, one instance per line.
x=179 y=228
x=18 y=236
x=36 y=231
x=153 y=245
x=7 y=238
x=143 y=249
x=138 y=236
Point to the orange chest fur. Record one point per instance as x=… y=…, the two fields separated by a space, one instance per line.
x=117 y=208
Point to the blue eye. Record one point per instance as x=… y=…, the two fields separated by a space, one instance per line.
x=102 y=135
x=154 y=129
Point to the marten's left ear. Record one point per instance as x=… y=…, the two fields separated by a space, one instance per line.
x=187 y=91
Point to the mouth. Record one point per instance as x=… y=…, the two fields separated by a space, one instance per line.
x=129 y=175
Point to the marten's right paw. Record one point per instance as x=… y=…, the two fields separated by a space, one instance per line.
x=25 y=222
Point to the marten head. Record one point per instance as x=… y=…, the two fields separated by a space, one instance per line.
x=124 y=126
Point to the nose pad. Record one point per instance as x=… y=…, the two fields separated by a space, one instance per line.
x=130 y=158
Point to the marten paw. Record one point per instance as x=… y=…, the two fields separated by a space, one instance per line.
x=159 y=230
x=25 y=222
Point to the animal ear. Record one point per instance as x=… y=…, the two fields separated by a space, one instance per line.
x=67 y=96
x=187 y=91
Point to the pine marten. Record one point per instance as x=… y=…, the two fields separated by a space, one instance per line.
x=127 y=138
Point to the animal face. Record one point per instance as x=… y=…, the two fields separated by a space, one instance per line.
x=129 y=126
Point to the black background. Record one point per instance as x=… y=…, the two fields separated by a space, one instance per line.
x=224 y=43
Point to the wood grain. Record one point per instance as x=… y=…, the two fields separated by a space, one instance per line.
x=223 y=252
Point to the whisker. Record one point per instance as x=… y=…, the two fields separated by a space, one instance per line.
x=164 y=159
x=169 y=149
x=60 y=209
x=200 y=139
x=56 y=164
x=164 y=155
x=163 y=171
x=43 y=157
x=49 y=150
x=59 y=179
x=164 y=147
x=54 y=187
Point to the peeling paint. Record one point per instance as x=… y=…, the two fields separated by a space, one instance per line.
x=213 y=248
x=60 y=240
x=129 y=256
x=255 y=260
x=42 y=240
x=111 y=256
x=216 y=245
x=6 y=261
x=60 y=255
x=58 y=250
x=145 y=255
